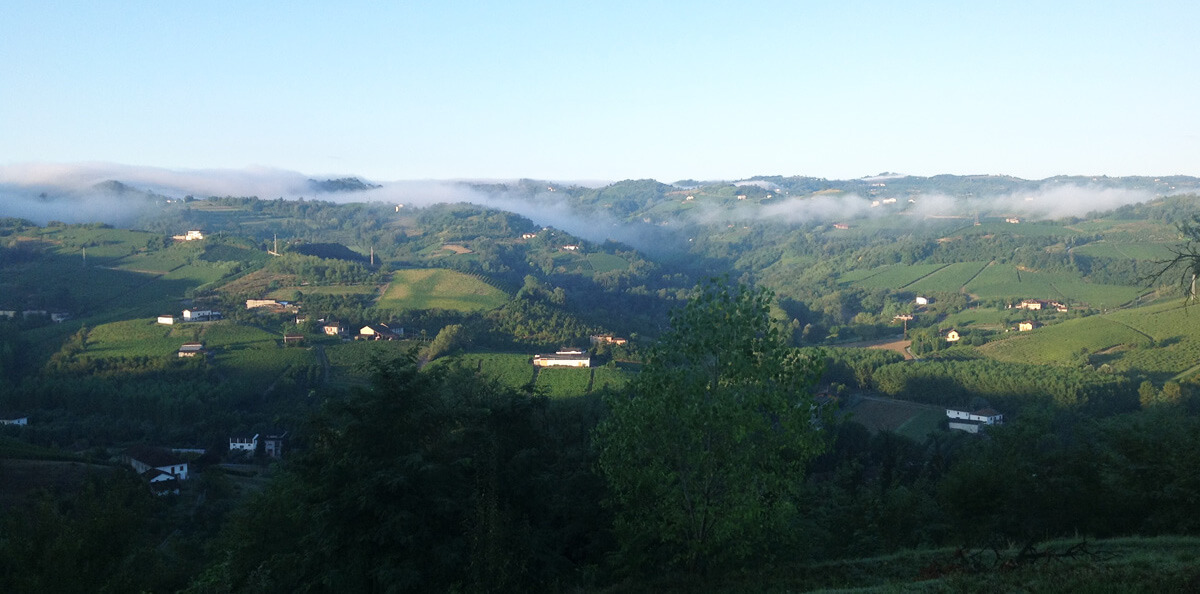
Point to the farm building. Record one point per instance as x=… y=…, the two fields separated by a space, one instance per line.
x=191 y=349
x=20 y=420
x=334 y=329
x=1030 y=304
x=293 y=338
x=952 y=336
x=143 y=458
x=971 y=422
x=380 y=332
x=59 y=317
x=564 y=358
x=922 y=300
x=528 y=235
x=200 y=315
x=168 y=320
x=571 y=247
x=1026 y=326
x=842 y=226
x=243 y=443
x=253 y=303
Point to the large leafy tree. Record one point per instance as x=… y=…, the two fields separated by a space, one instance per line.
x=705 y=453
x=435 y=480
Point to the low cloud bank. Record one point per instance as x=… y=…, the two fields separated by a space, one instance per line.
x=77 y=193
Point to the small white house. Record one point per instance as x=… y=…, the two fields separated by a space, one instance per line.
x=143 y=458
x=168 y=320
x=922 y=301
x=953 y=336
x=245 y=444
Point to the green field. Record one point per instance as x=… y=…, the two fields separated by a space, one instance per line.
x=910 y=419
x=103 y=245
x=159 y=261
x=348 y=360
x=949 y=279
x=564 y=382
x=437 y=288
x=1162 y=341
x=896 y=276
x=139 y=338
x=512 y=369
x=603 y=377
x=1038 y=229
x=1126 y=251
x=1061 y=344
x=89 y=287
x=980 y=317
x=607 y=262
x=1004 y=281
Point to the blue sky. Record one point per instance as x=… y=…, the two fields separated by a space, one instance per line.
x=605 y=90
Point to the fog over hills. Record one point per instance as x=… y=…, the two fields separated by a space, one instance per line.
x=116 y=194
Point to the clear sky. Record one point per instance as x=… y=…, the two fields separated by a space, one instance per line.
x=605 y=90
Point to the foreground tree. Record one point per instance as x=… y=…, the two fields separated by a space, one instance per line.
x=705 y=453
x=436 y=480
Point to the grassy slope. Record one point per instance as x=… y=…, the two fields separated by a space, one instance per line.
x=1160 y=340
x=434 y=288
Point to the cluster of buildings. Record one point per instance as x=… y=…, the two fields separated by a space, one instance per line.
x=164 y=469
x=369 y=332
x=272 y=444
x=193 y=235
x=1038 y=304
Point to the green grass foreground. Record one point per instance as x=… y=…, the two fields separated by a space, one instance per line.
x=1120 y=565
